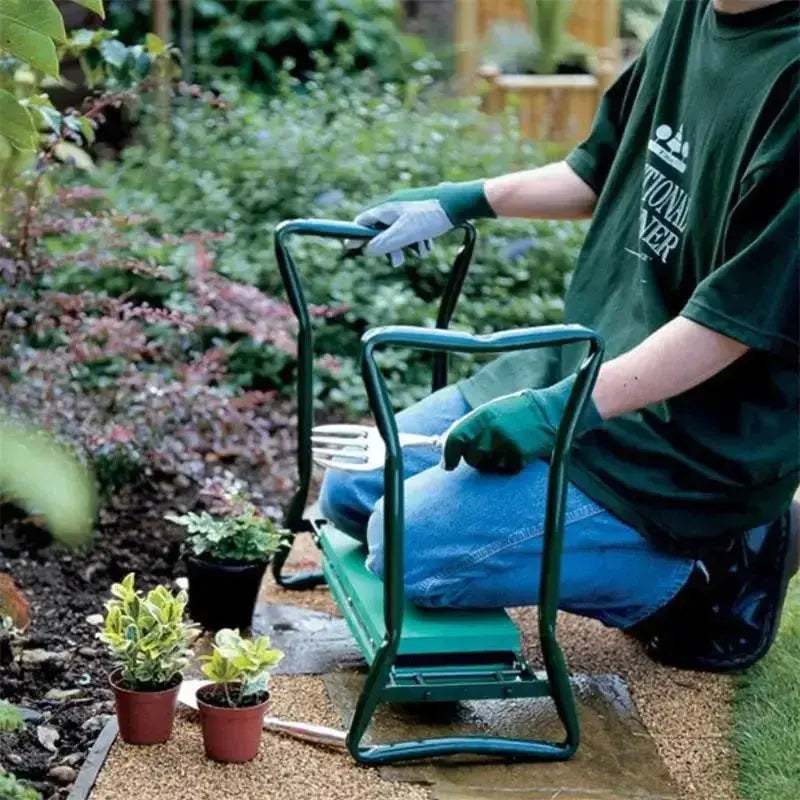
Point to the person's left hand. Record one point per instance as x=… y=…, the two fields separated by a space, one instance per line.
x=506 y=434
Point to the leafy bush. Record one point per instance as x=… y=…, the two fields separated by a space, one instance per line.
x=243 y=662
x=86 y=351
x=31 y=53
x=240 y=169
x=251 y=39
x=13 y=789
x=147 y=634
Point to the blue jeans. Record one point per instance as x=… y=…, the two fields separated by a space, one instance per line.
x=474 y=540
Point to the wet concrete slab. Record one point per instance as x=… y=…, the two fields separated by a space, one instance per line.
x=314 y=642
x=617 y=759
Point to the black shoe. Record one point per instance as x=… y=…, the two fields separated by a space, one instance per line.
x=726 y=616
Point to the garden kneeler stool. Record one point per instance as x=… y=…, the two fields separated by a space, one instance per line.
x=431 y=655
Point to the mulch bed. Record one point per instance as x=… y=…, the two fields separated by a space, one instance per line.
x=60 y=650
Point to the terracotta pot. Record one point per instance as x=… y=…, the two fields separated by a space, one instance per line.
x=144 y=717
x=230 y=734
x=223 y=594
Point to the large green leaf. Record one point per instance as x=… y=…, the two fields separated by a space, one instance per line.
x=93 y=5
x=46 y=479
x=29 y=45
x=40 y=16
x=16 y=124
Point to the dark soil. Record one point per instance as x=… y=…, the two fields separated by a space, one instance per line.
x=63 y=588
x=215 y=696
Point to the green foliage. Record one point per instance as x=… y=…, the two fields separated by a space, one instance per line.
x=115 y=465
x=105 y=60
x=13 y=789
x=544 y=47
x=639 y=18
x=243 y=662
x=44 y=478
x=93 y=5
x=250 y=40
x=327 y=152
x=32 y=42
x=33 y=132
x=29 y=30
x=766 y=714
x=10 y=718
x=147 y=634
x=245 y=537
x=548 y=19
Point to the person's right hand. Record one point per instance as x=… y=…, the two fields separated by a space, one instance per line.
x=414 y=217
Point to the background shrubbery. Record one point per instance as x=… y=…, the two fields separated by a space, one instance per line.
x=325 y=152
x=251 y=40
x=142 y=313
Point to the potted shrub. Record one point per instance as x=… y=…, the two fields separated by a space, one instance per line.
x=232 y=707
x=225 y=560
x=149 y=638
x=550 y=60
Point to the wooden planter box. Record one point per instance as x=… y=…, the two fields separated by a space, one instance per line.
x=556 y=108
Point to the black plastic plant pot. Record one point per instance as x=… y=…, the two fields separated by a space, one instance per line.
x=223 y=594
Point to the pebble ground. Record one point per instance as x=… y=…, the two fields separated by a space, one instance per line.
x=687 y=714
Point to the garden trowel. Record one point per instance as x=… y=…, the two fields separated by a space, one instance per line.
x=318 y=734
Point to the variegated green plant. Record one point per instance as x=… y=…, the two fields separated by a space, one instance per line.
x=147 y=634
x=241 y=666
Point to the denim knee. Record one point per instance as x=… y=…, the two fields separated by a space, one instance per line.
x=340 y=502
x=418 y=562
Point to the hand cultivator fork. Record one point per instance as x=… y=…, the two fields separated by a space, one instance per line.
x=416 y=654
x=360 y=448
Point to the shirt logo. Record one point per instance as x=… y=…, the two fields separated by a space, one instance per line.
x=671 y=147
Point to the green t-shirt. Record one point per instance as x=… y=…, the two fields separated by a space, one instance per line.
x=694 y=158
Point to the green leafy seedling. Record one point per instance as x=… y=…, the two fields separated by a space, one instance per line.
x=243 y=662
x=244 y=537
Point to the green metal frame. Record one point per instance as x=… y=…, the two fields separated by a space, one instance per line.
x=387 y=680
x=294 y=518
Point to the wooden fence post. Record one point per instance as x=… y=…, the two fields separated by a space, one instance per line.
x=162 y=27
x=162 y=20
x=466 y=44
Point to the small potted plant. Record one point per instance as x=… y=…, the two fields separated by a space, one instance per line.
x=149 y=638
x=225 y=561
x=232 y=707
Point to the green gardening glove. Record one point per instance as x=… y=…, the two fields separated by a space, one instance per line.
x=413 y=217
x=506 y=434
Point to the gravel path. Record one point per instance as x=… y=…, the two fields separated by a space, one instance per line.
x=284 y=769
x=687 y=713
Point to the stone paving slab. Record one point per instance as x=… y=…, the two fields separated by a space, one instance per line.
x=314 y=642
x=617 y=759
